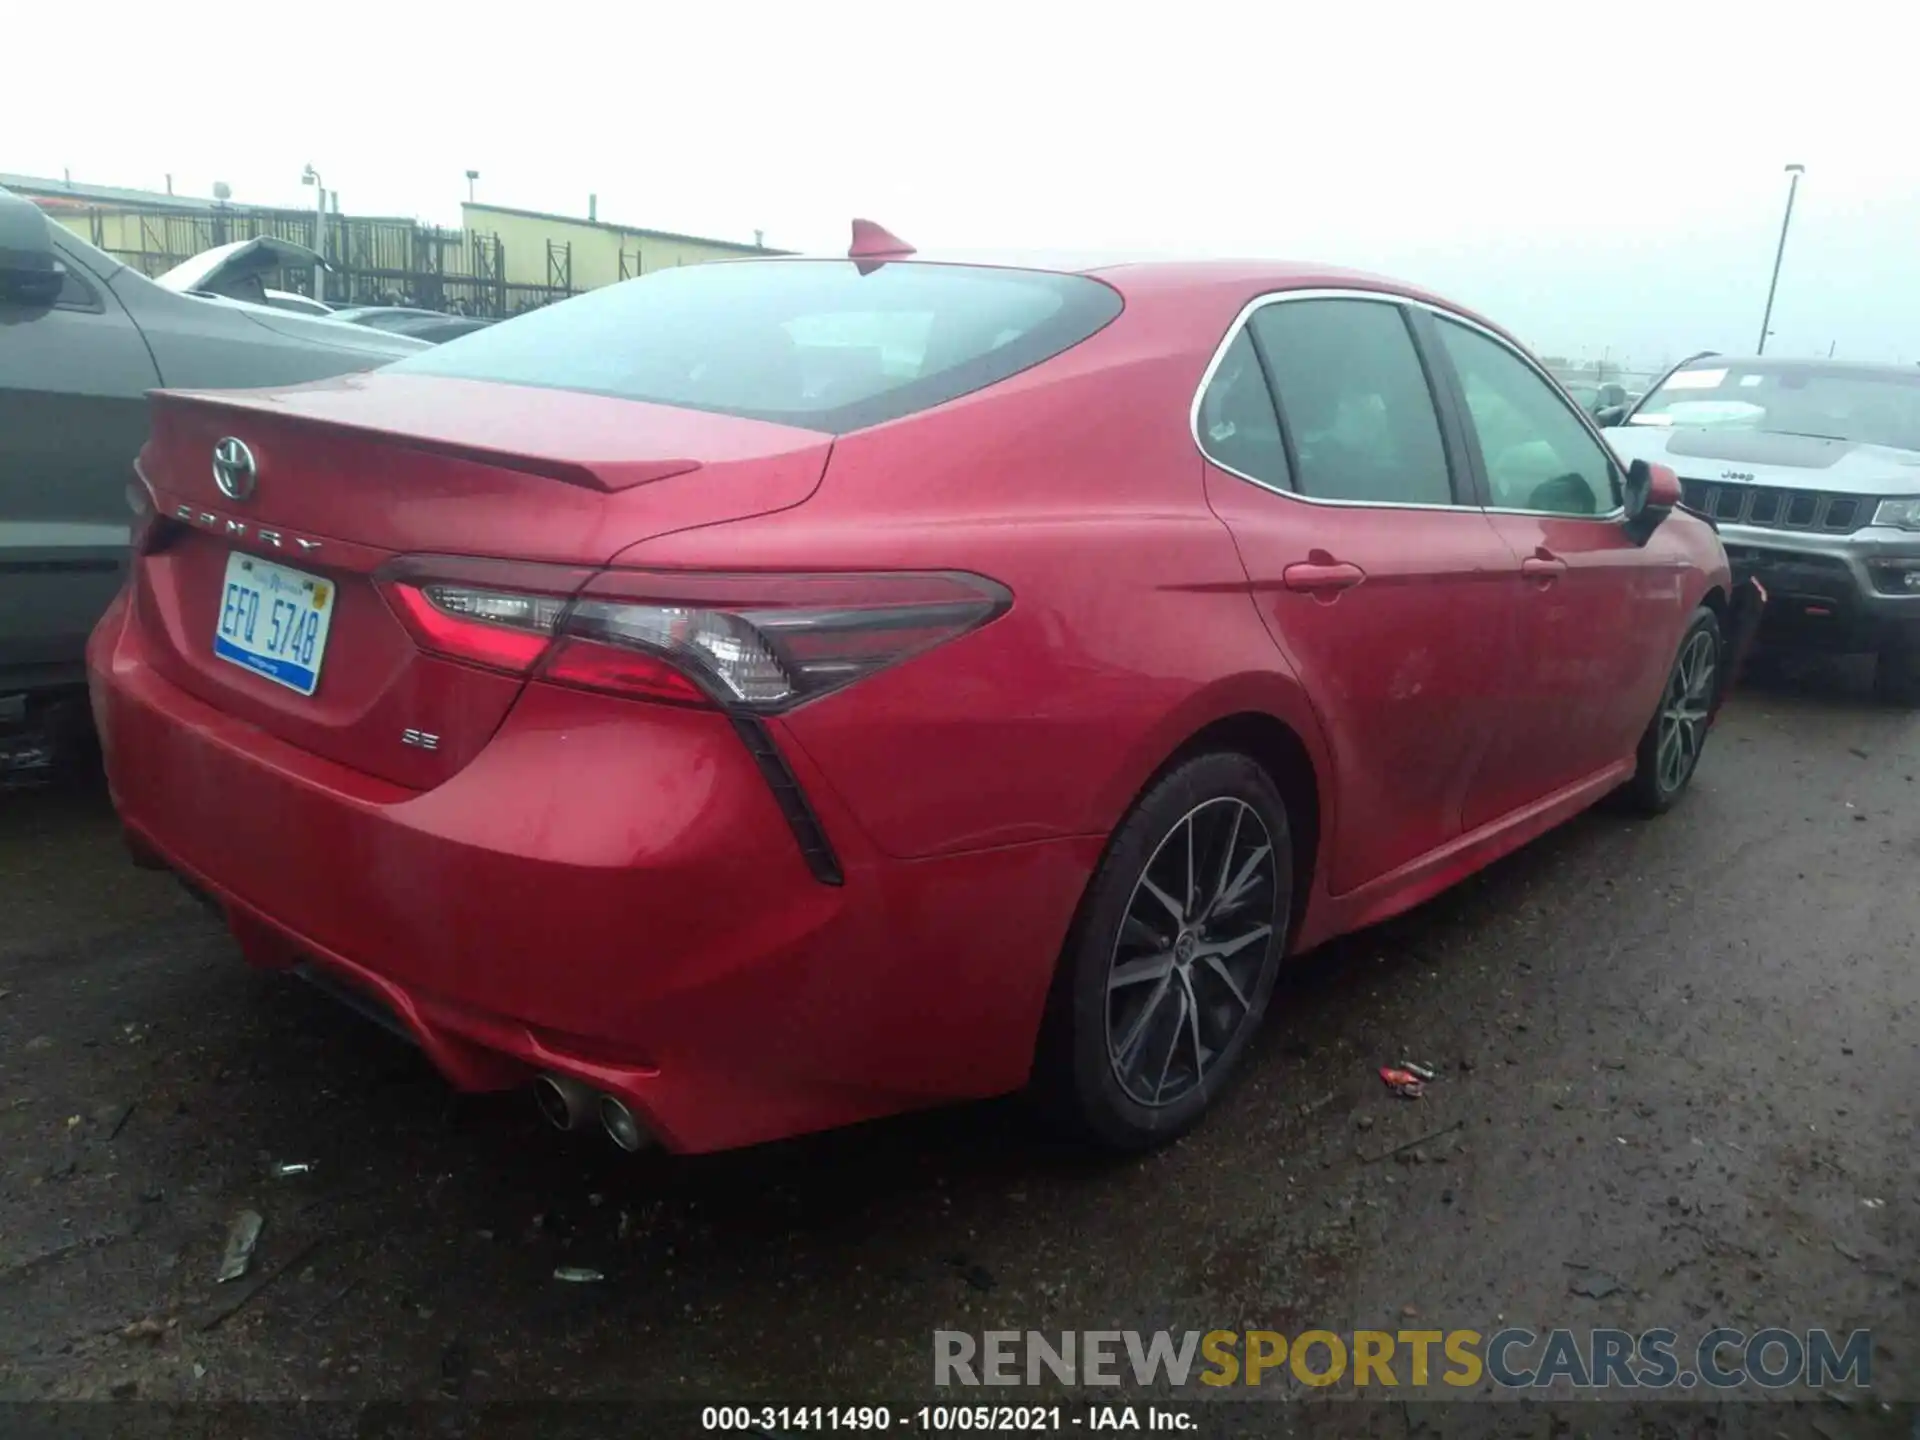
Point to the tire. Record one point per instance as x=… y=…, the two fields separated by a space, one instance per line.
x=1896 y=673
x=1686 y=705
x=1133 y=1065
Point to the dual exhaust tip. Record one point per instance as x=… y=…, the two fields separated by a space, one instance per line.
x=566 y=1104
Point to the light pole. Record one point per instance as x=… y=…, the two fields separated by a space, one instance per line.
x=311 y=176
x=472 y=175
x=1793 y=185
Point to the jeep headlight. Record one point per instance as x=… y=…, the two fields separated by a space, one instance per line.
x=1901 y=514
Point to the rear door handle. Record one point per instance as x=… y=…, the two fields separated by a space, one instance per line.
x=1544 y=568
x=1329 y=577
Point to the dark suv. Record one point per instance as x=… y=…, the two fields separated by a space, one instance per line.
x=83 y=338
x=1811 y=471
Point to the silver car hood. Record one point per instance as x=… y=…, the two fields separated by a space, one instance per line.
x=1788 y=462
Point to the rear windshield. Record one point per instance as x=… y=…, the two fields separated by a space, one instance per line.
x=812 y=343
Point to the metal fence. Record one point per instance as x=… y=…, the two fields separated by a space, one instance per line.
x=374 y=261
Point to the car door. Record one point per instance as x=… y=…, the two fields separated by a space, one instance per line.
x=1345 y=488
x=1596 y=608
x=73 y=414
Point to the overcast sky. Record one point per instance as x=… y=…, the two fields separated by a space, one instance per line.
x=1592 y=175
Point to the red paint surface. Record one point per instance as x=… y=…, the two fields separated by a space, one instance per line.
x=606 y=886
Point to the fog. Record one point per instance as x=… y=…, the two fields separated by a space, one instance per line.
x=1599 y=178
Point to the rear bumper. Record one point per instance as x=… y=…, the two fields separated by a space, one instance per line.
x=608 y=890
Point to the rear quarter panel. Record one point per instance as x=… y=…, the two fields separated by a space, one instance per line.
x=1077 y=486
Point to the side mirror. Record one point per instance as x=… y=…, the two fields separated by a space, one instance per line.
x=1608 y=416
x=30 y=272
x=1650 y=493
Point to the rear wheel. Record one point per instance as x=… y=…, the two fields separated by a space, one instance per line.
x=1670 y=750
x=1167 y=975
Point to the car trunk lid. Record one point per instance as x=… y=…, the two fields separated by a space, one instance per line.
x=320 y=486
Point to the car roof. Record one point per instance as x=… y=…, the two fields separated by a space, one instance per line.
x=1135 y=263
x=1139 y=276
x=1140 y=272
x=1143 y=275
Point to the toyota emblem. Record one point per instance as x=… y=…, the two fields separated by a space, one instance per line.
x=233 y=469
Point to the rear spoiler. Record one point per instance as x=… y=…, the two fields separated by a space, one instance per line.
x=605 y=476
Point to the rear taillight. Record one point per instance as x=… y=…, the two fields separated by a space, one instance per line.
x=760 y=643
x=500 y=614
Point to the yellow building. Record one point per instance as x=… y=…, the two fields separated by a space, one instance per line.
x=569 y=252
x=149 y=229
x=499 y=262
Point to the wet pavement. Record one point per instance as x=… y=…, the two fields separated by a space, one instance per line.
x=1676 y=1061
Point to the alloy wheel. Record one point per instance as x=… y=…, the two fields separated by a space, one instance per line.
x=1684 y=710
x=1186 y=964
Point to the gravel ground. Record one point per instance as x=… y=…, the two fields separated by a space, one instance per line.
x=1677 y=1071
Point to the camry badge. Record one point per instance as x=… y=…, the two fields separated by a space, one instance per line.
x=233 y=468
x=239 y=529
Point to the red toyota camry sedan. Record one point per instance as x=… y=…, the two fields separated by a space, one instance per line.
x=770 y=694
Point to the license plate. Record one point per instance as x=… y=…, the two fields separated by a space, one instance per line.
x=274 y=621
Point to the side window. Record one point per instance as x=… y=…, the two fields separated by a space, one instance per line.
x=1355 y=402
x=1238 y=428
x=1537 y=453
